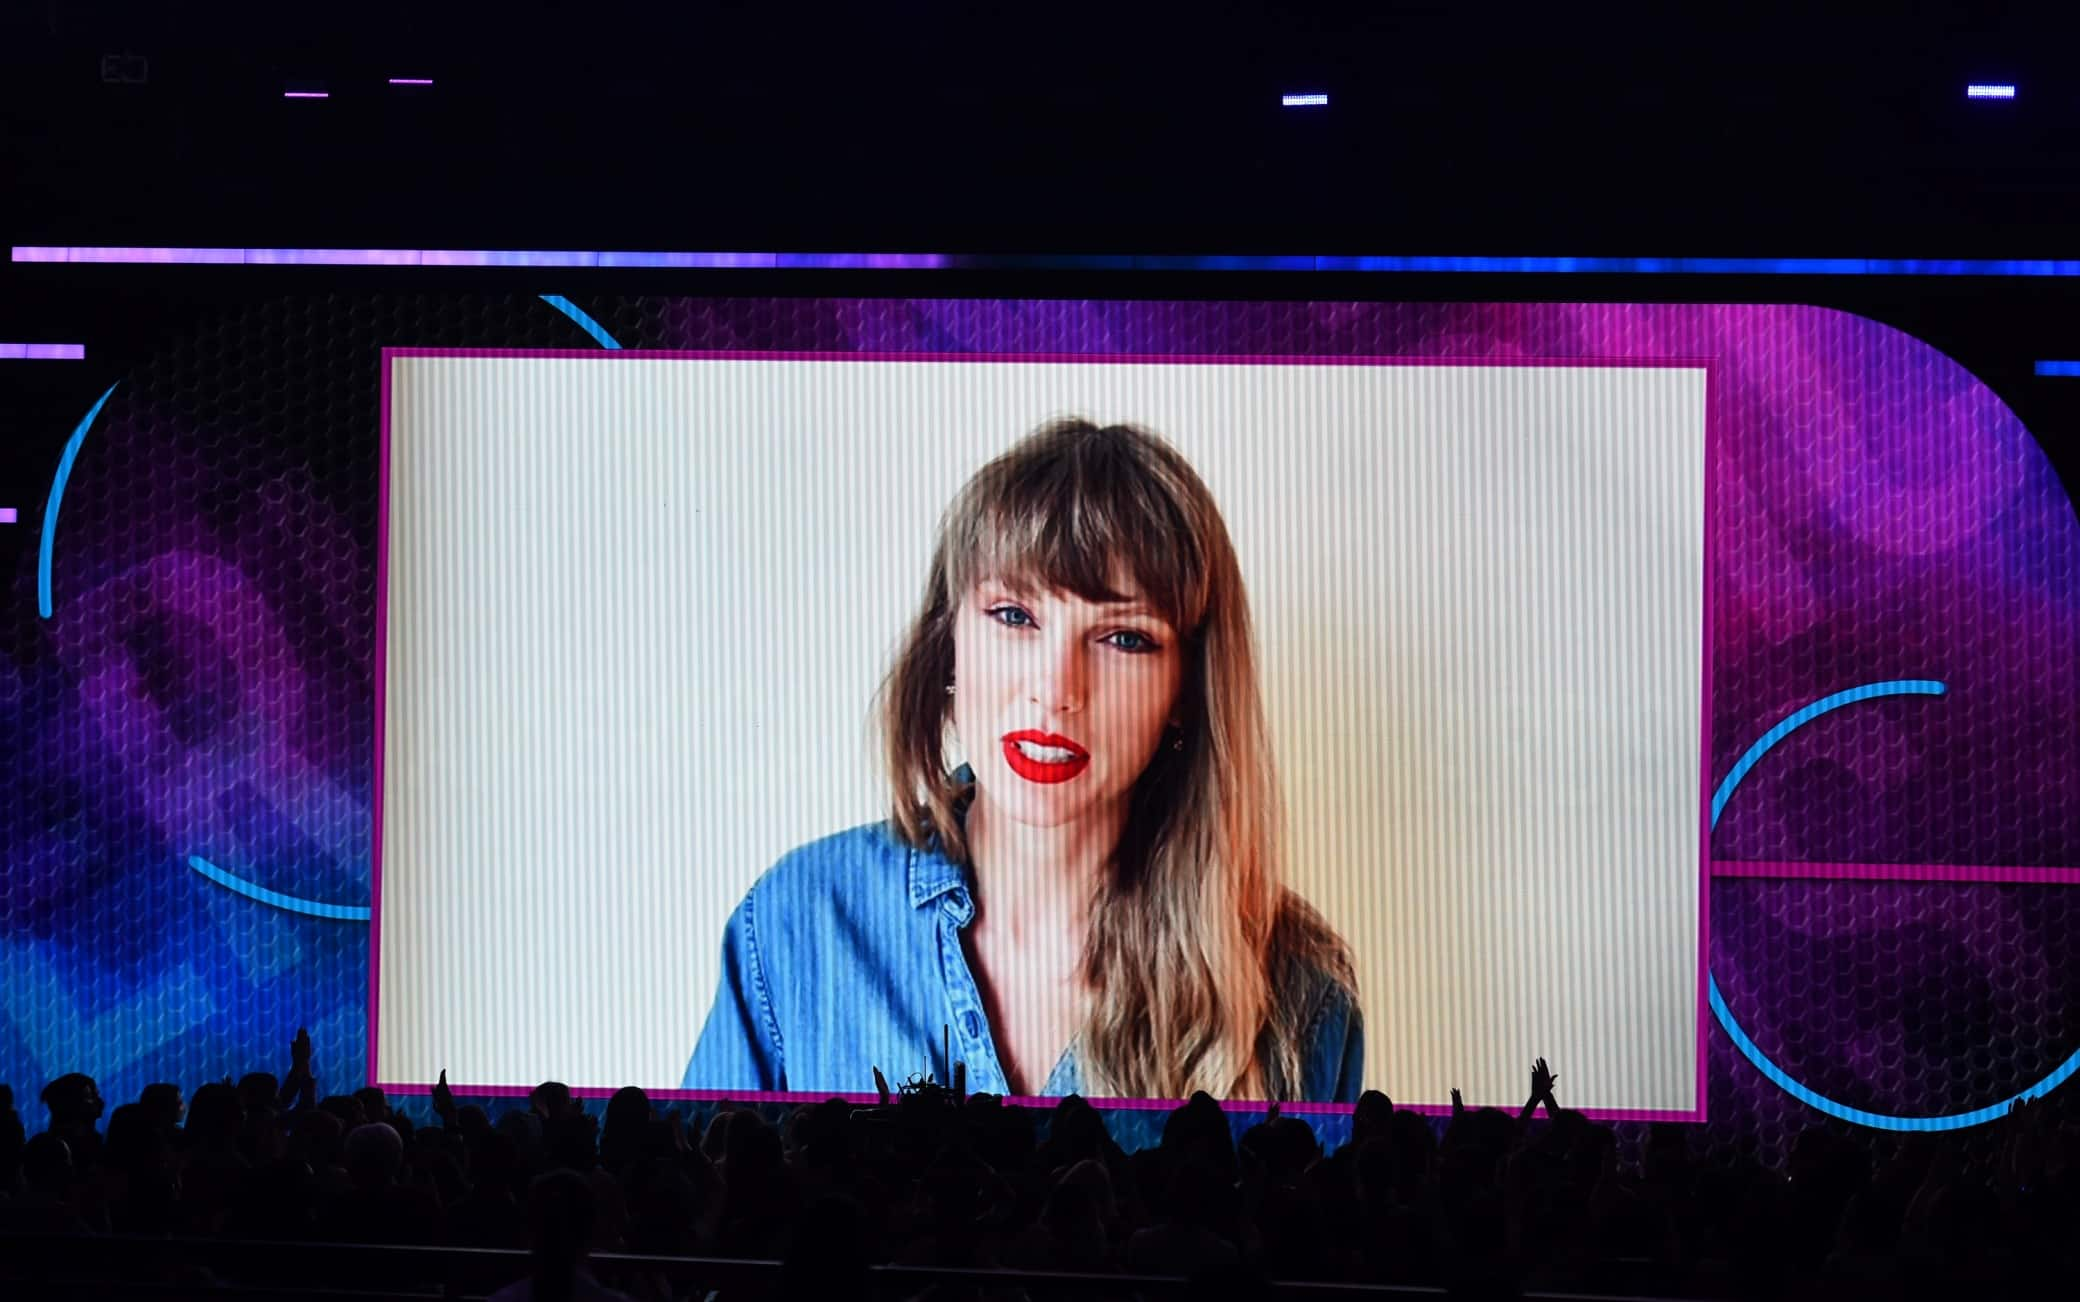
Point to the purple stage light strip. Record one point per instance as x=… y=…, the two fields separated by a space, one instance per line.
x=1897 y=872
x=1423 y=264
x=474 y=258
x=8 y=515
x=306 y=94
x=43 y=352
x=411 y=81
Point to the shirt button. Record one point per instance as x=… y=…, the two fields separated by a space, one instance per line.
x=971 y=1025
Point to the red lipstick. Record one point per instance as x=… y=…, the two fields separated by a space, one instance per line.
x=1052 y=768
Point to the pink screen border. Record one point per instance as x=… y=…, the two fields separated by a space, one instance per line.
x=1704 y=786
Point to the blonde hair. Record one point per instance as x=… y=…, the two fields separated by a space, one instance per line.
x=1196 y=948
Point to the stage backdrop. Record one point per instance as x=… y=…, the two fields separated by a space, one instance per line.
x=1478 y=594
x=1890 y=718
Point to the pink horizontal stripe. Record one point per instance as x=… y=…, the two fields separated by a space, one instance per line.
x=1018 y=1101
x=1092 y=359
x=43 y=352
x=1897 y=872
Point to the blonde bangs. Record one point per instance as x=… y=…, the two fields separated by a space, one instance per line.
x=1074 y=508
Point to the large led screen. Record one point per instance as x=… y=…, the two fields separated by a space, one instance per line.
x=1167 y=639
x=499 y=682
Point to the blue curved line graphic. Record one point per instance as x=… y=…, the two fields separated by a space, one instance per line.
x=50 y=509
x=583 y=318
x=311 y=908
x=1753 y=1053
x=1826 y=704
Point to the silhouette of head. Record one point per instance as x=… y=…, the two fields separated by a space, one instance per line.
x=374 y=1155
x=164 y=1103
x=560 y=1212
x=74 y=1101
x=550 y=1099
x=47 y=1166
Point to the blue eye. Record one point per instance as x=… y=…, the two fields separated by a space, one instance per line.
x=1011 y=616
x=1133 y=641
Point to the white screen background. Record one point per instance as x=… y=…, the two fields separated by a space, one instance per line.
x=638 y=607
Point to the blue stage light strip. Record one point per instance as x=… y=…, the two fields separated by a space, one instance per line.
x=1427 y=265
x=2068 y=369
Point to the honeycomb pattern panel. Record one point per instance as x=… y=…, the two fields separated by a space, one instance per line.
x=205 y=686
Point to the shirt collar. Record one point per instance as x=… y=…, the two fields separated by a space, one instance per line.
x=932 y=874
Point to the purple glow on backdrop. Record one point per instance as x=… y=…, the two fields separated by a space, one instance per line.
x=43 y=352
x=1861 y=538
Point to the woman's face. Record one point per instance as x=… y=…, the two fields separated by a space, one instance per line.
x=1061 y=702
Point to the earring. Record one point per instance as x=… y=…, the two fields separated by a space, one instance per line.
x=1177 y=742
x=949 y=688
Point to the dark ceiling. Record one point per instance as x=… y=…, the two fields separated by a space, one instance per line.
x=1763 y=129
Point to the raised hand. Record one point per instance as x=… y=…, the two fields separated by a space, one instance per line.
x=443 y=1098
x=1543 y=1078
x=881 y=1085
x=299 y=1089
x=1458 y=1103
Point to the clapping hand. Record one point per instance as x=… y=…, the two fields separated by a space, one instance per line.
x=1543 y=1079
x=299 y=1087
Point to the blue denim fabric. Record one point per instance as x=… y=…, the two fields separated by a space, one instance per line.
x=847 y=955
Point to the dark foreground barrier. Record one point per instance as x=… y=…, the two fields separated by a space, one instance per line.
x=122 y=1267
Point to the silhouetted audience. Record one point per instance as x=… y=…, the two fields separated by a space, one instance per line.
x=1484 y=1203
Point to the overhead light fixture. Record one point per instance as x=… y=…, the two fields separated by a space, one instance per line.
x=1308 y=99
x=1989 y=90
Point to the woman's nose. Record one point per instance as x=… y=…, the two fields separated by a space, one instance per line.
x=1058 y=682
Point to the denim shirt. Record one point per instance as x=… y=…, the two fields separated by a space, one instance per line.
x=847 y=955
